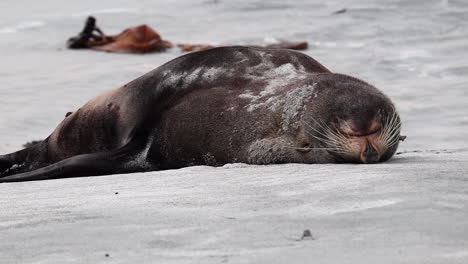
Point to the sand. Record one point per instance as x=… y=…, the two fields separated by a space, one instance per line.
x=412 y=209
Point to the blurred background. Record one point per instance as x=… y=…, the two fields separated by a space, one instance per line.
x=414 y=51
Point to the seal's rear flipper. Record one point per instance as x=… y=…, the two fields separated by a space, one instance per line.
x=95 y=164
x=4 y=164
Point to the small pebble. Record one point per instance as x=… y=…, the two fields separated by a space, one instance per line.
x=306 y=235
x=341 y=11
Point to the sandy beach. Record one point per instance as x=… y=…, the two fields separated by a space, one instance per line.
x=412 y=209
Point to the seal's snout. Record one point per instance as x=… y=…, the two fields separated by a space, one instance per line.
x=370 y=155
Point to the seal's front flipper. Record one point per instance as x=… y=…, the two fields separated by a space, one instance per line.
x=95 y=164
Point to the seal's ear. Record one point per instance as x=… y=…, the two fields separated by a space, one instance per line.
x=402 y=138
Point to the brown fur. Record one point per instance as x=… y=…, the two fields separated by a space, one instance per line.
x=232 y=104
x=139 y=39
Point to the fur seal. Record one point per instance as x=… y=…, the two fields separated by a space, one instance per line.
x=303 y=45
x=223 y=105
x=144 y=39
x=139 y=39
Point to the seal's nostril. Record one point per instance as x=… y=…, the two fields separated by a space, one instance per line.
x=370 y=150
x=370 y=155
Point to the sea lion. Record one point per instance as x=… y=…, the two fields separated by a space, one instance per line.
x=144 y=39
x=139 y=39
x=302 y=45
x=223 y=105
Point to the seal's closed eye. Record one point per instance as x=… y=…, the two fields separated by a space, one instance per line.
x=357 y=134
x=305 y=149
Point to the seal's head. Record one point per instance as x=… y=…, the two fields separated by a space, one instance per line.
x=358 y=123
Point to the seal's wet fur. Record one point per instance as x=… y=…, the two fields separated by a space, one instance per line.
x=231 y=104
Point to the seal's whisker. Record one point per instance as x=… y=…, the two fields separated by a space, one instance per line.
x=327 y=138
x=343 y=137
x=340 y=151
x=393 y=138
x=331 y=139
x=341 y=146
x=393 y=130
x=392 y=142
x=327 y=141
x=336 y=138
x=328 y=129
x=316 y=130
x=338 y=148
x=392 y=126
x=322 y=125
x=384 y=133
x=339 y=142
x=312 y=148
x=390 y=135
